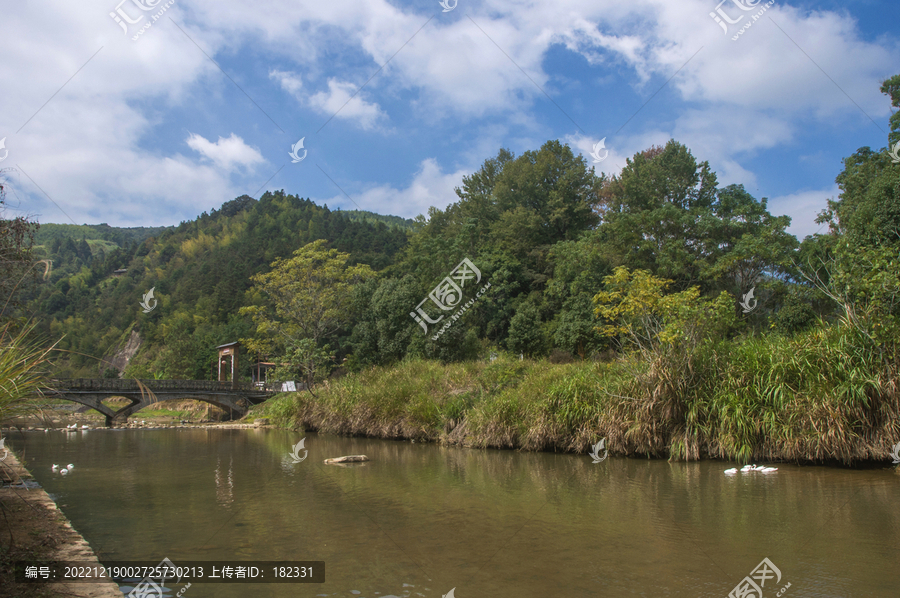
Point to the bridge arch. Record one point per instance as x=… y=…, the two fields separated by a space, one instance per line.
x=234 y=397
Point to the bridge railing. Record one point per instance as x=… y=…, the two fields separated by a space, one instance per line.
x=108 y=384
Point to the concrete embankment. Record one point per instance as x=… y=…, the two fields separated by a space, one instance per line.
x=41 y=532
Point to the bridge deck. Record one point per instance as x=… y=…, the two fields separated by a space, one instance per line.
x=110 y=385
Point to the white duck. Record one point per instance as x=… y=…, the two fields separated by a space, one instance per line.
x=731 y=471
x=70 y=466
x=64 y=471
x=759 y=468
x=54 y=468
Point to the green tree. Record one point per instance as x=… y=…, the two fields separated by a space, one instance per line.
x=856 y=265
x=653 y=213
x=891 y=88
x=553 y=191
x=526 y=335
x=868 y=209
x=575 y=329
x=665 y=214
x=18 y=266
x=309 y=301
x=637 y=311
x=384 y=327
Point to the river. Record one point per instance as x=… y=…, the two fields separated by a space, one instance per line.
x=419 y=519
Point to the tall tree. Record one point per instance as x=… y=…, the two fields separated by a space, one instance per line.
x=867 y=212
x=891 y=88
x=653 y=213
x=665 y=214
x=17 y=264
x=309 y=300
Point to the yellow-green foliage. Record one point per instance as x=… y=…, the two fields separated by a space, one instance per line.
x=309 y=298
x=636 y=309
x=633 y=305
x=202 y=243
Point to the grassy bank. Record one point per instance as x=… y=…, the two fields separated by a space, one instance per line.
x=818 y=396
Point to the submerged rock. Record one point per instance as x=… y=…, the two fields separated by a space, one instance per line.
x=347 y=459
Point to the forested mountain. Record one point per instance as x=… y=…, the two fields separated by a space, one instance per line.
x=200 y=272
x=556 y=249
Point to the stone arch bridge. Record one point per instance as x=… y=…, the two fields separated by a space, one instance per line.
x=234 y=397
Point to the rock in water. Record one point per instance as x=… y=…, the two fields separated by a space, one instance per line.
x=347 y=459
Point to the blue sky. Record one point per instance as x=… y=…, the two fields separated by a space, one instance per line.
x=396 y=101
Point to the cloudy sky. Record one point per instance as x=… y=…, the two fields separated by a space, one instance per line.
x=143 y=113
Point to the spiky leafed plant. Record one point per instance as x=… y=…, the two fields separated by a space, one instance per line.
x=22 y=372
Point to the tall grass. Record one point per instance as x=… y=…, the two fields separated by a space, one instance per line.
x=22 y=363
x=822 y=395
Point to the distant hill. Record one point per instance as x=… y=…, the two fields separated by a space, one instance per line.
x=200 y=271
x=364 y=216
x=97 y=232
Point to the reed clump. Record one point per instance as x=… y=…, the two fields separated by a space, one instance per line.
x=23 y=364
x=821 y=395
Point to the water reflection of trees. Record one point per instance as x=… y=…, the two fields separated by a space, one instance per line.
x=225 y=485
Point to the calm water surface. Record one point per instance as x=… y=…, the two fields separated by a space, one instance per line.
x=418 y=520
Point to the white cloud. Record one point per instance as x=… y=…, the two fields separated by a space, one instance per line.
x=341 y=102
x=743 y=97
x=429 y=187
x=86 y=103
x=289 y=81
x=226 y=152
x=803 y=207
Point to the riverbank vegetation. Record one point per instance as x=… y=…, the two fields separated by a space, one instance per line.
x=821 y=395
x=24 y=357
